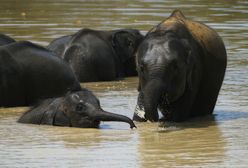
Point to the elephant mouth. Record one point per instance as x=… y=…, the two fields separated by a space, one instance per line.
x=96 y=123
x=87 y=123
x=167 y=107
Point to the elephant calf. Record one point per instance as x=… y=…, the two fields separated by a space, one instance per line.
x=99 y=55
x=181 y=66
x=78 y=109
x=29 y=72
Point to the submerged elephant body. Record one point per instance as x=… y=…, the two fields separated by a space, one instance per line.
x=99 y=55
x=78 y=109
x=29 y=73
x=181 y=66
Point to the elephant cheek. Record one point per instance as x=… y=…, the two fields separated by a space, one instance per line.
x=177 y=88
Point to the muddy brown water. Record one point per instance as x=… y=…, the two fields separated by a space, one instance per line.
x=220 y=140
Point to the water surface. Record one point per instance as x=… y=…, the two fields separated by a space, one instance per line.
x=220 y=140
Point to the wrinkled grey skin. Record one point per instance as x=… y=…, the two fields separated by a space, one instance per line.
x=79 y=109
x=29 y=72
x=99 y=55
x=4 y=39
x=177 y=74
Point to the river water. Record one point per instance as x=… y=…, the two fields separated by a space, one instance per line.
x=220 y=140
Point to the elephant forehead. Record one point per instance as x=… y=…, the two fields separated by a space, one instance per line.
x=77 y=98
x=84 y=96
x=157 y=53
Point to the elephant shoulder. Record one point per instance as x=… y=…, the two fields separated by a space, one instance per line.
x=59 y=45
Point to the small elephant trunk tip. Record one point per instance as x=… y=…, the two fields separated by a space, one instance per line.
x=107 y=116
x=132 y=125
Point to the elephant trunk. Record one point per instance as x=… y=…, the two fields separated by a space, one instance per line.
x=107 y=116
x=152 y=94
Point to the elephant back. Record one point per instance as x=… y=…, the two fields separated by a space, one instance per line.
x=204 y=35
x=207 y=38
x=42 y=113
x=11 y=77
x=4 y=39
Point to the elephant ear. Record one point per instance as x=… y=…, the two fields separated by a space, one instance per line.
x=189 y=62
x=40 y=113
x=60 y=118
x=123 y=44
x=186 y=52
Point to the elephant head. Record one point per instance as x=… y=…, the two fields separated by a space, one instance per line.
x=79 y=109
x=125 y=43
x=165 y=61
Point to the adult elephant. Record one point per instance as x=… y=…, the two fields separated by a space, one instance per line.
x=99 y=55
x=4 y=39
x=29 y=72
x=181 y=66
x=77 y=109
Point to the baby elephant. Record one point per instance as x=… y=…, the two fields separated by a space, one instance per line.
x=78 y=109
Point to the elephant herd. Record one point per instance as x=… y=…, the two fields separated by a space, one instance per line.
x=180 y=64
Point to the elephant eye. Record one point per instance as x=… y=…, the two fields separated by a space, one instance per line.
x=129 y=43
x=141 y=68
x=80 y=107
